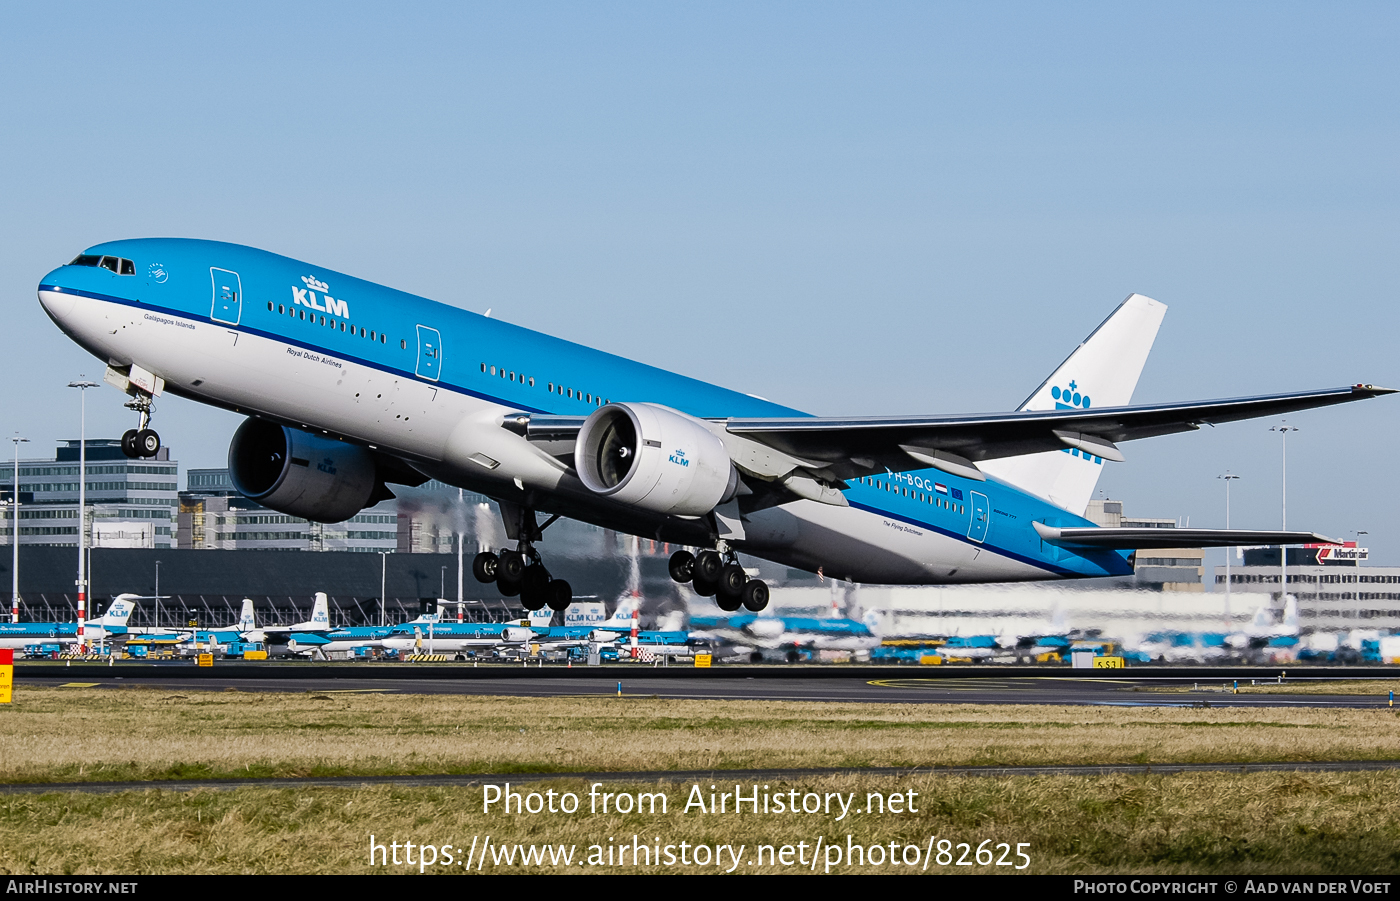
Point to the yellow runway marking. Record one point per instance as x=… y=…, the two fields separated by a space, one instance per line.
x=79 y=685
x=354 y=691
x=947 y=684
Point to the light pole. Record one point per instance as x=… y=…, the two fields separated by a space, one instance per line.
x=1283 y=429
x=82 y=385
x=1359 y=533
x=383 y=573
x=461 y=533
x=442 y=584
x=1228 y=477
x=14 y=565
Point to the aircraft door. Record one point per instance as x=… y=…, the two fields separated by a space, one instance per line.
x=228 y=296
x=429 y=353
x=981 y=517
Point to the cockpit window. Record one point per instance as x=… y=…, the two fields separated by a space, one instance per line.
x=115 y=264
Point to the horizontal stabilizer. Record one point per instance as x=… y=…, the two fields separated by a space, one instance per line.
x=1147 y=539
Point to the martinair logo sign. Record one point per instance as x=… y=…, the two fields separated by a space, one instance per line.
x=306 y=297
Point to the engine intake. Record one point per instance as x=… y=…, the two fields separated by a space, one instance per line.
x=655 y=458
x=300 y=474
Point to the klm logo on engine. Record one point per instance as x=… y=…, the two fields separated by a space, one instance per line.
x=678 y=458
x=327 y=466
x=306 y=297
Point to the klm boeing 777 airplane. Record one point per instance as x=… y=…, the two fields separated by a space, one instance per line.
x=350 y=387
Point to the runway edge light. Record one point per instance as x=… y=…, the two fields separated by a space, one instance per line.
x=7 y=674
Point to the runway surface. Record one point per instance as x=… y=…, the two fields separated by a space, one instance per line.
x=773 y=775
x=891 y=687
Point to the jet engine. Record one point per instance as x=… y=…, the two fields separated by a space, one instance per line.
x=654 y=458
x=300 y=474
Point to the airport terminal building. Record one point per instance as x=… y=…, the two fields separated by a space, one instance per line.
x=130 y=503
x=1334 y=590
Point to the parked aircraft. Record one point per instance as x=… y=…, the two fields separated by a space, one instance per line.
x=110 y=626
x=350 y=387
x=320 y=622
x=457 y=638
x=790 y=633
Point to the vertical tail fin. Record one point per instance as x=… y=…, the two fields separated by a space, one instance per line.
x=540 y=619
x=119 y=611
x=873 y=623
x=247 y=622
x=1102 y=372
x=321 y=610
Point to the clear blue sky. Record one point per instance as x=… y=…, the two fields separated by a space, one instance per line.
x=850 y=208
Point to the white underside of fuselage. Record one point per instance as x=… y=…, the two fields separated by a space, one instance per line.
x=442 y=430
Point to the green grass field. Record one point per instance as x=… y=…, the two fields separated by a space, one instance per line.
x=75 y=734
x=1207 y=823
x=1191 y=823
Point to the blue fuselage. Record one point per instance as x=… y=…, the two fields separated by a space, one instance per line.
x=428 y=383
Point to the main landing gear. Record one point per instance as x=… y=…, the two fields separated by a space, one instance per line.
x=521 y=572
x=718 y=574
x=143 y=440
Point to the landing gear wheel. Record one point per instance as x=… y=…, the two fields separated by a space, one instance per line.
x=729 y=603
x=484 y=566
x=129 y=448
x=708 y=566
x=534 y=587
x=703 y=588
x=507 y=588
x=682 y=566
x=511 y=567
x=560 y=595
x=731 y=580
x=147 y=443
x=755 y=595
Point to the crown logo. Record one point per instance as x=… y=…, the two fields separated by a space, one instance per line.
x=1070 y=396
x=315 y=284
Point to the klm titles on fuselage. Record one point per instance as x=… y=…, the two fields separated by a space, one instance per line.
x=306 y=297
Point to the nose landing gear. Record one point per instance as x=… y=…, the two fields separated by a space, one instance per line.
x=141 y=441
x=717 y=574
x=522 y=573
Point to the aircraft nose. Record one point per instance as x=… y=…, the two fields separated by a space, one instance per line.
x=56 y=303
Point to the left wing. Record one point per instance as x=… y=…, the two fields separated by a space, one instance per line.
x=838 y=448
x=863 y=446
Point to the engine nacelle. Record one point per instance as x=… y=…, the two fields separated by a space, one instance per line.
x=655 y=458
x=300 y=474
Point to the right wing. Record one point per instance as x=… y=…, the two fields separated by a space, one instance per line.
x=1148 y=539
